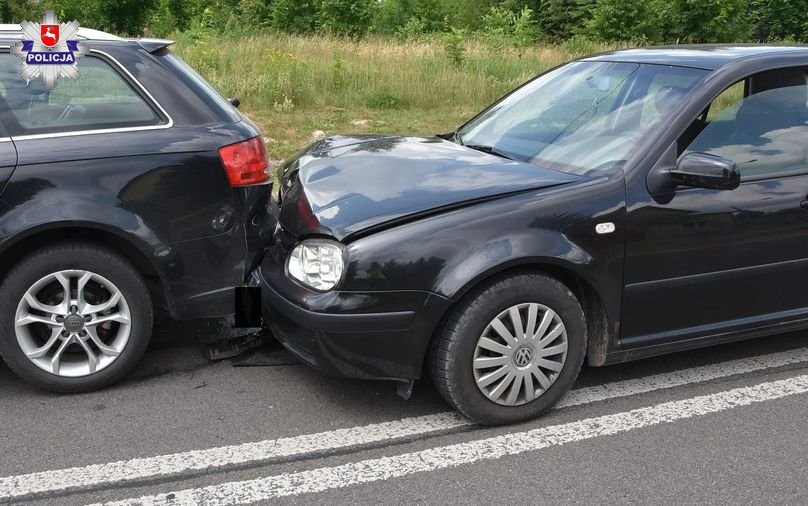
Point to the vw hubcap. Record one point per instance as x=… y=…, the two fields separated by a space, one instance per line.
x=72 y=323
x=520 y=354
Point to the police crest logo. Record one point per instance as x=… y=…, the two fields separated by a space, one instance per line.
x=49 y=34
x=49 y=50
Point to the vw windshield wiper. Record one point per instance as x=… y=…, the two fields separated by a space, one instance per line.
x=490 y=150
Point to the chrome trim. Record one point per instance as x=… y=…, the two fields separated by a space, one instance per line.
x=136 y=83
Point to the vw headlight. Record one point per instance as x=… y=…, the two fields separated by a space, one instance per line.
x=317 y=263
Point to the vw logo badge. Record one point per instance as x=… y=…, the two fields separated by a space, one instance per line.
x=523 y=356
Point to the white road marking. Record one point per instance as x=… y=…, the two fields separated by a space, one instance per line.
x=371 y=470
x=173 y=465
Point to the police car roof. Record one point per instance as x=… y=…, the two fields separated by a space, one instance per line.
x=12 y=31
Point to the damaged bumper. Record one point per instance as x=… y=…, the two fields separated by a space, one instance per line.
x=369 y=335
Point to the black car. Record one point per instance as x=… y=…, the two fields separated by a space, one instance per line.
x=620 y=206
x=132 y=189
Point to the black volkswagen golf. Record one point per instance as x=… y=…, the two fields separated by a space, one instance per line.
x=617 y=207
x=133 y=188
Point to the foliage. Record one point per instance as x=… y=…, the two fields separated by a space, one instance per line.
x=254 y=13
x=293 y=16
x=413 y=29
x=622 y=20
x=503 y=24
x=559 y=20
x=409 y=17
x=708 y=20
x=505 y=28
x=127 y=17
x=338 y=73
x=383 y=99
x=14 y=11
x=465 y=13
x=345 y=17
x=453 y=45
x=780 y=19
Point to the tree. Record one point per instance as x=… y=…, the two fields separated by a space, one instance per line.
x=504 y=27
x=128 y=17
x=254 y=13
x=708 y=20
x=293 y=16
x=392 y=15
x=14 y=11
x=780 y=19
x=559 y=20
x=623 y=20
x=345 y=17
x=466 y=13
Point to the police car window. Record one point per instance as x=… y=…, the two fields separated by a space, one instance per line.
x=100 y=98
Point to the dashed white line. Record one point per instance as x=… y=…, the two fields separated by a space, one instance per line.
x=371 y=470
x=177 y=464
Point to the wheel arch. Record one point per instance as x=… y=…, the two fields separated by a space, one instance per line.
x=600 y=325
x=87 y=232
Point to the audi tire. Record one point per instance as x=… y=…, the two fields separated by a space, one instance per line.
x=76 y=317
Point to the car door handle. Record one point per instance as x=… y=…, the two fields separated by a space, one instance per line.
x=804 y=204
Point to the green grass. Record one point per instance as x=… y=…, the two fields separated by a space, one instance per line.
x=293 y=86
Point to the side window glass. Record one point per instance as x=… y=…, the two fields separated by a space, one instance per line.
x=764 y=133
x=727 y=103
x=101 y=98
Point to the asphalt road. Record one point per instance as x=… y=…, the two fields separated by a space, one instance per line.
x=724 y=425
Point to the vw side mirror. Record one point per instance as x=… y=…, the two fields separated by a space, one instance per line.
x=701 y=170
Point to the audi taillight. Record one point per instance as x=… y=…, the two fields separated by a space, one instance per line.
x=245 y=162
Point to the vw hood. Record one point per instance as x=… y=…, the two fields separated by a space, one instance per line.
x=342 y=185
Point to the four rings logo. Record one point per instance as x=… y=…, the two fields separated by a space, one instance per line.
x=49 y=50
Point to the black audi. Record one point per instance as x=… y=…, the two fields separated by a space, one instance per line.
x=134 y=189
x=620 y=206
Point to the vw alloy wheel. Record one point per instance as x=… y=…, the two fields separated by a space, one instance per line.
x=520 y=354
x=72 y=323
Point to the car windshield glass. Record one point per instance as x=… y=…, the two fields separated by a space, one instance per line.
x=583 y=117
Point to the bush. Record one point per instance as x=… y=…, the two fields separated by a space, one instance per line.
x=413 y=29
x=503 y=28
x=622 y=20
x=345 y=17
x=453 y=44
x=707 y=20
x=383 y=99
x=253 y=13
x=465 y=13
x=780 y=19
x=409 y=17
x=525 y=29
x=127 y=17
x=292 y=16
x=559 y=20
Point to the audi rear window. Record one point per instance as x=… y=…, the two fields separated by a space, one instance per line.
x=100 y=99
x=212 y=98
